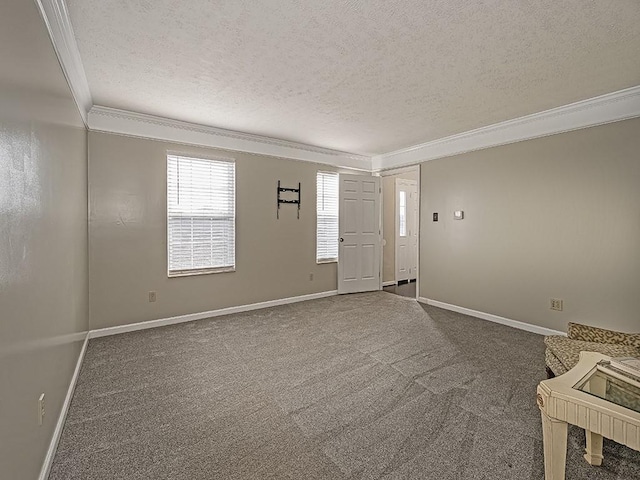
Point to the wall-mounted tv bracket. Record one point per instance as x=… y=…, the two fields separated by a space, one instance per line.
x=280 y=200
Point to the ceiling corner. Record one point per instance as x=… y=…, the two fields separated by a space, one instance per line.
x=56 y=18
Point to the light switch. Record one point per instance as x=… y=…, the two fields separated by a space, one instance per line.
x=458 y=215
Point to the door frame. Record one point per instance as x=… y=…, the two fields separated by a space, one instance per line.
x=411 y=184
x=393 y=172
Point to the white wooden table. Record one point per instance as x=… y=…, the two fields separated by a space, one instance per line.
x=578 y=398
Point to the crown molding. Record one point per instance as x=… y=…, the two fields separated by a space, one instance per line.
x=612 y=107
x=56 y=17
x=111 y=120
x=399 y=170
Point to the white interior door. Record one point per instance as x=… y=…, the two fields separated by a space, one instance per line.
x=406 y=207
x=359 y=246
x=412 y=215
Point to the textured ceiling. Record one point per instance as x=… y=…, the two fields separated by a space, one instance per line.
x=367 y=76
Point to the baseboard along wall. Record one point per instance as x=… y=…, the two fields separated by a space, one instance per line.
x=492 y=318
x=103 y=332
x=57 y=432
x=190 y=317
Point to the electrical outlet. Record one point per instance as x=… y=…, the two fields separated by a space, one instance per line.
x=152 y=296
x=556 y=304
x=311 y=277
x=40 y=408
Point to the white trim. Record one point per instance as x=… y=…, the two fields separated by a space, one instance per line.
x=56 y=17
x=419 y=226
x=408 y=184
x=380 y=232
x=53 y=445
x=132 y=327
x=612 y=107
x=111 y=120
x=397 y=171
x=388 y=284
x=492 y=318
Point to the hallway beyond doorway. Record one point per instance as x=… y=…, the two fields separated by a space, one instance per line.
x=404 y=289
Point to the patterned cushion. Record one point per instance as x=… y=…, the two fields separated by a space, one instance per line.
x=587 y=333
x=567 y=350
x=554 y=363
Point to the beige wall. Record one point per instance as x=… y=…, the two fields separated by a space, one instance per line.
x=389 y=221
x=128 y=234
x=43 y=239
x=551 y=217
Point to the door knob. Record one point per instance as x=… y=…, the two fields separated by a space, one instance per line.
x=341 y=239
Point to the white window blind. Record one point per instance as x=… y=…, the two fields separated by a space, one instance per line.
x=200 y=215
x=327 y=215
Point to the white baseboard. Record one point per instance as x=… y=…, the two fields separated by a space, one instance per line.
x=57 y=432
x=388 y=284
x=492 y=318
x=132 y=327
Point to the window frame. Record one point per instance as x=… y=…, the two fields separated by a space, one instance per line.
x=204 y=270
x=320 y=261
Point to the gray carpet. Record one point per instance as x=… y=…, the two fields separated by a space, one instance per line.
x=361 y=386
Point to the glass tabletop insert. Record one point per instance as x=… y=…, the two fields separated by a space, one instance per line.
x=612 y=385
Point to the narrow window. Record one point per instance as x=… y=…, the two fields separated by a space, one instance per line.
x=327 y=217
x=200 y=215
x=402 y=213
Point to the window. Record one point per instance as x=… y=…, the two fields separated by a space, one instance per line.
x=402 y=213
x=327 y=213
x=200 y=215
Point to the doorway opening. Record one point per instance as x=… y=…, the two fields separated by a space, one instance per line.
x=405 y=289
x=400 y=222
